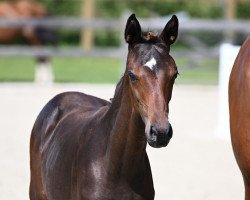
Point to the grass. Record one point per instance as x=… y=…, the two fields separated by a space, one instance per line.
x=98 y=70
x=202 y=72
x=90 y=70
x=101 y=70
x=16 y=69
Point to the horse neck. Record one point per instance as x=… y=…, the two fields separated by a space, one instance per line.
x=127 y=144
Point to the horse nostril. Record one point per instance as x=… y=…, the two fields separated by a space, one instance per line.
x=153 y=133
x=153 y=130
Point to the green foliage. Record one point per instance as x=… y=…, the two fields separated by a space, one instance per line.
x=107 y=38
x=109 y=8
x=243 y=10
x=162 y=8
x=69 y=37
x=146 y=8
x=63 y=7
x=204 y=9
x=143 y=8
x=165 y=8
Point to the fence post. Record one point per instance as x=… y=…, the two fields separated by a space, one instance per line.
x=227 y=56
x=230 y=14
x=87 y=34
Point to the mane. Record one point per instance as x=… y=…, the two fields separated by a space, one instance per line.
x=150 y=37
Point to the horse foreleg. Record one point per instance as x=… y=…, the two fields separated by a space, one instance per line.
x=247 y=192
x=35 y=194
x=36 y=190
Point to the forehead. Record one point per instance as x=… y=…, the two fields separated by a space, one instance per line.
x=150 y=54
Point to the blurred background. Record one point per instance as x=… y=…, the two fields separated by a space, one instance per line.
x=90 y=37
x=51 y=46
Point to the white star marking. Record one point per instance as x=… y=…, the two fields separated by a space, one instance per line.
x=150 y=64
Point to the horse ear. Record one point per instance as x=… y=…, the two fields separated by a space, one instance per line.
x=132 y=30
x=170 y=32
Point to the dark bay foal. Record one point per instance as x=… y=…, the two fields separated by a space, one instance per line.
x=86 y=148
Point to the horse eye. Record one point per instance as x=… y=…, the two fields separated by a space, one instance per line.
x=132 y=77
x=177 y=74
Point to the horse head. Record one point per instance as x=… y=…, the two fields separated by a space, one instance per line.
x=151 y=72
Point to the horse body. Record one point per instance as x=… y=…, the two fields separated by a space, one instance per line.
x=239 y=105
x=83 y=147
x=94 y=151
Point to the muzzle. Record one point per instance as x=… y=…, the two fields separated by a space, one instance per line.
x=159 y=137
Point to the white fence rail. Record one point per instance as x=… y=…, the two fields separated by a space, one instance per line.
x=12 y=51
x=242 y=26
x=186 y=25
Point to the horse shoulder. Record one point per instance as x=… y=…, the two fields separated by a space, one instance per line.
x=61 y=106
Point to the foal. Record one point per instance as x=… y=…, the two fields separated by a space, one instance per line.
x=85 y=148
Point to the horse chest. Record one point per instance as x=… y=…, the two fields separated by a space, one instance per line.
x=101 y=192
x=98 y=186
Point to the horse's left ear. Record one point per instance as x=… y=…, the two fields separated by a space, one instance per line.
x=170 y=32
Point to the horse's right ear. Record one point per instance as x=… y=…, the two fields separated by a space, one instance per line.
x=133 y=30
